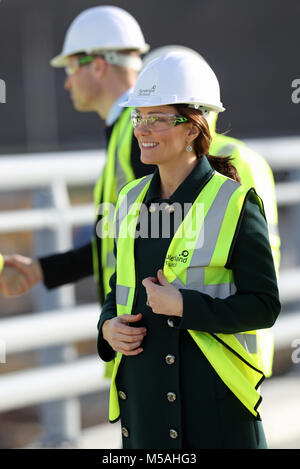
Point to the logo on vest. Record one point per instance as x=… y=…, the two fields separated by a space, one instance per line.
x=172 y=261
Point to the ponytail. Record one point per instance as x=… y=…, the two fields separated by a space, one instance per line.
x=222 y=164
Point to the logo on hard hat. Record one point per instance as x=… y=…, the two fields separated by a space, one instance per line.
x=147 y=92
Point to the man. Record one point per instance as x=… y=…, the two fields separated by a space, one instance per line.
x=101 y=55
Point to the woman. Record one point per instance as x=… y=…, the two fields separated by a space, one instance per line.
x=186 y=302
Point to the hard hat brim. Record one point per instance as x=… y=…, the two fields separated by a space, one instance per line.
x=61 y=59
x=133 y=101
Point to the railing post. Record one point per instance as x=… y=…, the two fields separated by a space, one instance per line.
x=61 y=420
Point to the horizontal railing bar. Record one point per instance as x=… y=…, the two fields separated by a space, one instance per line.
x=288 y=193
x=85 y=375
x=41 y=169
x=288 y=282
x=79 y=215
x=50 y=218
x=286 y=329
x=282 y=153
x=37 y=330
x=31 y=387
x=84 y=166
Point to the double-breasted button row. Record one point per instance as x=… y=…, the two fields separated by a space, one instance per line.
x=168 y=208
x=170 y=359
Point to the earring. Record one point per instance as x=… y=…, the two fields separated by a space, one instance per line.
x=189 y=148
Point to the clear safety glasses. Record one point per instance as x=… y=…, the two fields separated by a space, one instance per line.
x=156 y=122
x=74 y=63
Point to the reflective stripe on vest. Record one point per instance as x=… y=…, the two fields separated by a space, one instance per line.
x=254 y=171
x=204 y=271
x=234 y=357
x=116 y=174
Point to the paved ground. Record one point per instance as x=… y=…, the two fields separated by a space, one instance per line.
x=280 y=413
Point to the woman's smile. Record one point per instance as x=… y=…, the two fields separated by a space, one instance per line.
x=148 y=145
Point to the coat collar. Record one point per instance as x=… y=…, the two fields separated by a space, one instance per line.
x=188 y=189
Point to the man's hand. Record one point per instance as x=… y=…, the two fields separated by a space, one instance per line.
x=122 y=337
x=163 y=297
x=12 y=282
x=19 y=275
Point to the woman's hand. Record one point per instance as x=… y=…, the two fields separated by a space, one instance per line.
x=123 y=338
x=163 y=298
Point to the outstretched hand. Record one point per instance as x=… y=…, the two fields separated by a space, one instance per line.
x=163 y=297
x=19 y=275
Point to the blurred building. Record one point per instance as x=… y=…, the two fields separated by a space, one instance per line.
x=252 y=46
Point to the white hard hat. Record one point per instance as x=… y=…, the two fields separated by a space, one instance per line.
x=103 y=29
x=159 y=51
x=176 y=78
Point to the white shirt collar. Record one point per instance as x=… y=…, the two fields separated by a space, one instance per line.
x=116 y=110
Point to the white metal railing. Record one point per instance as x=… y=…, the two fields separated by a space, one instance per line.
x=42 y=169
x=37 y=331
x=31 y=332
x=85 y=374
x=282 y=153
x=32 y=387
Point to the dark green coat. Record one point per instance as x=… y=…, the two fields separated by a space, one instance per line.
x=205 y=413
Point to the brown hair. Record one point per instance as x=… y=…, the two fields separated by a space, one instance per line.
x=222 y=164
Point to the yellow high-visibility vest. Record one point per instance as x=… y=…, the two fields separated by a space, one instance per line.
x=1 y=263
x=237 y=358
x=255 y=172
x=117 y=172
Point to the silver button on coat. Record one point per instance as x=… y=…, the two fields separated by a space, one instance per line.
x=122 y=395
x=170 y=322
x=170 y=359
x=152 y=208
x=171 y=396
x=125 y=432
x=169 y=209
x=173 y=434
